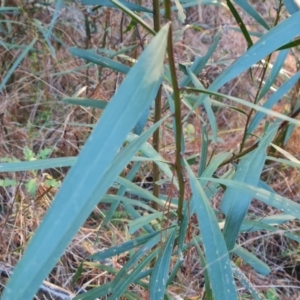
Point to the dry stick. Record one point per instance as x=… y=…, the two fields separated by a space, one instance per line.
x=157 y=113
x=177 y=103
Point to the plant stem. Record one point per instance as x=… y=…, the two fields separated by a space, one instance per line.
x=157 y=113
x=107 y=17
x=176 y=95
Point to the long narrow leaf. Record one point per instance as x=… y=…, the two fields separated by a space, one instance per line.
x=249 y=104
x=285 y=162
x=133 y=15
x=280 y=59
x=200 y=62
x=87 y=181
x=136 y=224
x=292 y=6
x=115 y=198
x=99 y=60
x=136 y=257
x=139 y=191
x=258 y=226
x=16 y=63
x=52 y=163
x=217 y=258
x=10 y=9
x=93 y=294
x=204 y=150
x=159 y=276
x=275 y=38
x=38 y=24
x=208 y=290
x=283 y=90
x=123 y=247
x=252 y=260
x=284 y=204
x=107 y=3
x=121 y=192
x=245 y=282
x=86 y=102
x=252 y=12
x=240 y=23
x=235 y=205
x=150 y=152
x=121 y=283
x=207 y=106
x=255 y=225
x=39 y=164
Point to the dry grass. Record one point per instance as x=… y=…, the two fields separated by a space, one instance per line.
x=34 y=116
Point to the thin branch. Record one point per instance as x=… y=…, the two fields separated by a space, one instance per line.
x=178 y=123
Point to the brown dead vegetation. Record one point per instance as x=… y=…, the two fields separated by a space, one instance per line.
x=34 y=116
